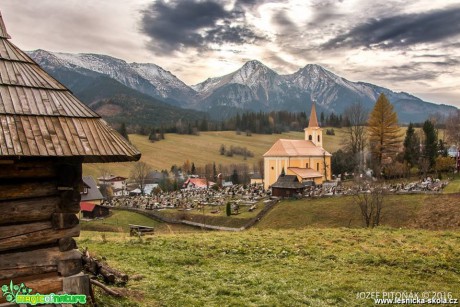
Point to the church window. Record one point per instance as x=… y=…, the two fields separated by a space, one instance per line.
x=306 y=165
x=318 y=138
x=317 y=166
x=310 y=137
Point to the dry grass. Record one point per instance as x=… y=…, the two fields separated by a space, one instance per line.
x=203 y=149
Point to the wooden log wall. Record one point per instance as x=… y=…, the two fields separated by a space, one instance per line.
x=39 y=201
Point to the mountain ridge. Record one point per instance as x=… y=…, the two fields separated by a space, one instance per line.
x=253 y=87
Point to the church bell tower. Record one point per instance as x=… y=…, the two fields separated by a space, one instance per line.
x=313 y=132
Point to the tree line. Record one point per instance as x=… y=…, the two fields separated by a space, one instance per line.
x=391 y=152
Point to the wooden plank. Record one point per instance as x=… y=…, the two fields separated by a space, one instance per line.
x=37 y=257
x=31 y=101
x=53 y=136
x=17 y=149
x=6 y=99
x=28 y=170
x=34 y=270
x=31 y=141
x=27 y=190
x=21 y=229
x=7 y=135
x=38 y=135
x=64 y=220
x=70 y=202
x=63 y=141
x=46 y=136
x=22 y=136
x=74 y=134
x=3 y=148
x=36 y=237
x=70 y=267
x=28 y=210
x=38 y=101
x=82 y=136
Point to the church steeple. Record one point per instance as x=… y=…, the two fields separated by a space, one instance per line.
x=313 y=123
x=313 y=132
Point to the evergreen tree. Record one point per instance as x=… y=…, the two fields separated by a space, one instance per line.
x=411 y=146
x=193 y=170
x=235 y=177
x=384 y=135
x=228 y=209
x=430 y=150
x=123 y=131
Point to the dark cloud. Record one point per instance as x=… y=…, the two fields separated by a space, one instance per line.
x=176 y=25
x=401 y=31
x=281 y=19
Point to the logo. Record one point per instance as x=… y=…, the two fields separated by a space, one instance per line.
x=20 y=294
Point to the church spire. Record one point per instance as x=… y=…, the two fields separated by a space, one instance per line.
x=313 y=132
x=313 y=123
x=3 y=33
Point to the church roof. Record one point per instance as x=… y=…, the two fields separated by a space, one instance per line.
x=305 y=173
x=40 y=117
x=313 y=123
x=295 y=148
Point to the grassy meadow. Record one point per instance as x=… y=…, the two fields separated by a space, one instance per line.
x=288 y=267
x=202 y=149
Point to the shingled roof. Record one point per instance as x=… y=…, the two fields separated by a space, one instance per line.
x=40 y=117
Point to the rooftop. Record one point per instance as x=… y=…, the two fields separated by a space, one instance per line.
x=40 y=117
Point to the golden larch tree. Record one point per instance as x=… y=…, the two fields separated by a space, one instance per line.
x=384 y=134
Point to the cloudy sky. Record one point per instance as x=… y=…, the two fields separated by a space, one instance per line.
x=411 y=46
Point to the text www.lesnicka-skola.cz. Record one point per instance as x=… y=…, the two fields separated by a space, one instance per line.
x=408 y=297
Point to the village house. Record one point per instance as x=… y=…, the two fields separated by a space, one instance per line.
x=197 y=183
x=91 y=193
x=306 y=159
x=45 y=136
x=117 y=183
x=92 y=211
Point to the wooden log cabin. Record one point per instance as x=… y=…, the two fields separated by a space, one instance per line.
x=45 y=136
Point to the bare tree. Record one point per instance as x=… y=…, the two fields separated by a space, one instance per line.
x=355 y=142
x=370 y=198
x=139 y=174
x=453 y=128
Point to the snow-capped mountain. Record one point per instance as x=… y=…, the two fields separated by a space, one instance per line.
x=146 y=78
x=255 y=86
x=252 y=87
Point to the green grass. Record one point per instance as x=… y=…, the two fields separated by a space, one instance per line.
x=440 y=211
x=318 y=267
x=453 y=186
x=203 y=149
x=119 y=221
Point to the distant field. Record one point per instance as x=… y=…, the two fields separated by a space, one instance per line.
x=297 y=267
x=203 y=149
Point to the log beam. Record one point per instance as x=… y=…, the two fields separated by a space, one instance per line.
x=27 y=190
x=28 y=210
x=39 y=237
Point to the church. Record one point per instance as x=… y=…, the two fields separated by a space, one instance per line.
x=306 y=159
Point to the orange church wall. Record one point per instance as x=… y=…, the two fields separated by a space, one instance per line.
x=274 y=166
